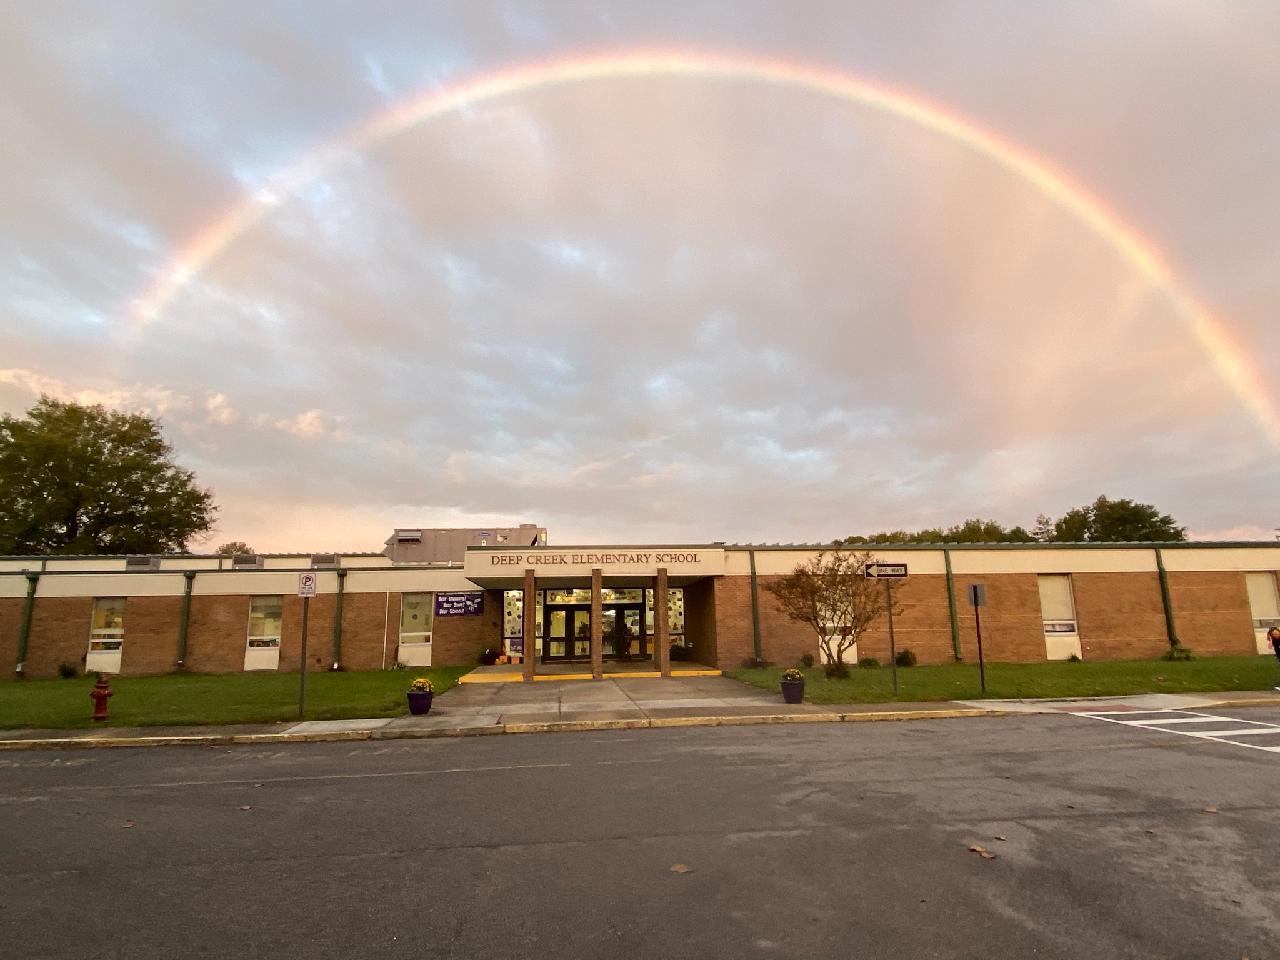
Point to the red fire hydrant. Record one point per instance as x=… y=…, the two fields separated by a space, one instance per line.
x=101 y=693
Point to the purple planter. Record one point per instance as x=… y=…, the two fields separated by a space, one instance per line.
x=792 y=691
x=419 y=703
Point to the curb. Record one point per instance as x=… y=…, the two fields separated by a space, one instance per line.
x=427 y=733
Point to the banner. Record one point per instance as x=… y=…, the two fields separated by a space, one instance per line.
x=469 y=604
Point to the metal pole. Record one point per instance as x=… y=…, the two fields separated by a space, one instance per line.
x=24 y=633
x=184 y=625
x=893 y=649
x=757 y=651
x=982 y=668
x=302 y=661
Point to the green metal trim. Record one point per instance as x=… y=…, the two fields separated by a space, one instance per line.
x=190 y=577
x=951 y=609
x=25 y=632
x=337 y=619
x=755 y=610
x=1170 y=627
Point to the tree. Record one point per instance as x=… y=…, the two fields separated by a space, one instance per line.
x=1117 y=521
x=1043 y=530
x=971 y=531
x=234 y=548
x=832 y=594
x=84 y=479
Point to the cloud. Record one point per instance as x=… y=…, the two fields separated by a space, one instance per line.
x=649 y=309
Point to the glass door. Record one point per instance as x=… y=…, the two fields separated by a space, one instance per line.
x=567 y=633
x=623 y=636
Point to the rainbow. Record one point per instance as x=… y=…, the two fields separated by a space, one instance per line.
x=1226 y=357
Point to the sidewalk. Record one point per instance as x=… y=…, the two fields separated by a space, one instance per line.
x=612 y=704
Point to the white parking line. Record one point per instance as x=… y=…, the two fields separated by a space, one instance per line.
x=1160 y=720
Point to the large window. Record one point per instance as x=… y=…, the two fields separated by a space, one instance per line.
x=1057 y=608
x=107 y=631
x=265 y=617
x=1264 y=605
x=416 y=614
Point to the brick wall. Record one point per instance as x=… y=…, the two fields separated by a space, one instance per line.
x=921 y=622
x=1012 y=626
x=60 y=632
x=1211 y=611
x=10 y=627
x=363 y=617
x=700 y=622
x=1119 y=616
x=458 y=641
x=150 y=635
x=319 y=632
x=217 y=633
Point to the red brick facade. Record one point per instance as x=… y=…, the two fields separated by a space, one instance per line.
x=1119 y=616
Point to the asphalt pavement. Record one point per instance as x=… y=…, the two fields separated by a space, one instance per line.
x=1108 y=839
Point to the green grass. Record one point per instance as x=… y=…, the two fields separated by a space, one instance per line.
x=181 y=699
x=959 y=681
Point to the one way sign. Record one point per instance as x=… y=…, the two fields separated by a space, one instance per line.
x=886 y=571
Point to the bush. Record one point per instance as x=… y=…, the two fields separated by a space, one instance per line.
x=905 y=658
x=807 y=660
x=1074 y=658
x=836 y=671
x=68 y=670
x=681 y=652
x=1177 y=652
x=868 y=663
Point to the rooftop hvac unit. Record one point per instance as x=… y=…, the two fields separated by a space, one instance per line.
x=246 y=561
x=323 y=560
x=141 y=564
x=408 y=536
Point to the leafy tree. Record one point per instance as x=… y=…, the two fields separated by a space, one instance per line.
x=234 y=548
x=1117 y=521
x=831 y=593
x=84 y=479
x=1043 y=530
x=971 y=531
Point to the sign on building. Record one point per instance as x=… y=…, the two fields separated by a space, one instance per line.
x=462 y=604
x=885 y=571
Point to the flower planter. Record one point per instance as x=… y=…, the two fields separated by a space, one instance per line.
x=419 y=703
x=792 y=690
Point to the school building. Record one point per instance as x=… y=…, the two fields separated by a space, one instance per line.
x=705 y=603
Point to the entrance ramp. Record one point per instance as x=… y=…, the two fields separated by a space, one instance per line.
x=613 y=670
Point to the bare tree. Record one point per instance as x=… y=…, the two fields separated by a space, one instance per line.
x=832 y=594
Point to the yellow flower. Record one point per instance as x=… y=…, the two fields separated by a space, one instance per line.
x=421 y=685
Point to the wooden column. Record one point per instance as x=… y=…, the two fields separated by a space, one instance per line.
x=597 y=627
x=530 y=646
x=661 y=630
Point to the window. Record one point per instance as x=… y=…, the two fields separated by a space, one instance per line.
x=1057 y=608
x=1264 y=606
x=675 y=614
x=107 y=630
x=415 y=617
x=265 y=616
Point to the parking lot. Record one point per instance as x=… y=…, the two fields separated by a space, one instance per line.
x=1102 y=839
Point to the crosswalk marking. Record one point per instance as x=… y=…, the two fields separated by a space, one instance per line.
x=1180 y=724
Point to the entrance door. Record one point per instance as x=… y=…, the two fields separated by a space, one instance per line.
x=567 y=633
x=623 y=633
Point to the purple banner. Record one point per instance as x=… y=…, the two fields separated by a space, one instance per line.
x=459 y=604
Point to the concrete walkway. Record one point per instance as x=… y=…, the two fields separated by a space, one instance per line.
x=615 y=703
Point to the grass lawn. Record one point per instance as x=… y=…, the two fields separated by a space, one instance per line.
x=959 y=681
x=180 y=699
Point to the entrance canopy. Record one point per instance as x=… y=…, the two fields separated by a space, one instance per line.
x=503 y=568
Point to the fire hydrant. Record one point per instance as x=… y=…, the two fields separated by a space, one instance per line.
x=101 y=693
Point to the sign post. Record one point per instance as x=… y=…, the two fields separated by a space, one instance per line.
x=306 y=590
x=978 y=600
x=887 y=572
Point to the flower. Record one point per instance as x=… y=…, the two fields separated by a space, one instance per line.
x=792 y=674
x=421 y=685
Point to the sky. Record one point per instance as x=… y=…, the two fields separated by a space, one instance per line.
x=660 y=307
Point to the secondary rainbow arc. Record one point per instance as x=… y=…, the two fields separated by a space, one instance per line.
x=1209 y=333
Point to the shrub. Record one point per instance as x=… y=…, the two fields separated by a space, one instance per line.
x=68 y=670
x=869 y=663
x=836 y=671
x=1074 y=658
x=807 y=660
x=905 y=658
x=681 y=652
x=791 y=675
x=1177 y=652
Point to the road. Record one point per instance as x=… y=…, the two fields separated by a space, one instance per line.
x=823 y=840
